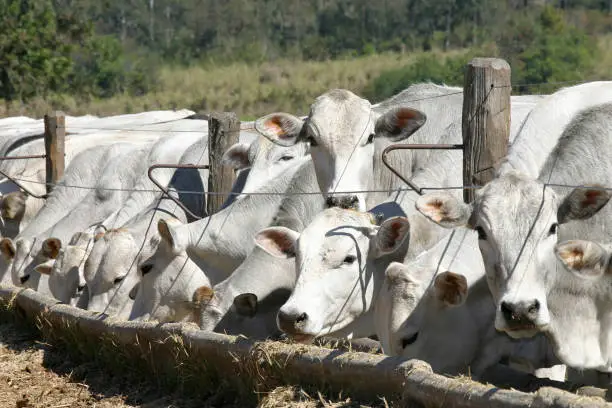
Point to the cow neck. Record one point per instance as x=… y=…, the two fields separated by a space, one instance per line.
x=225 y=238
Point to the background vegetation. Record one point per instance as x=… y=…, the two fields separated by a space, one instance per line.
x=255 y=56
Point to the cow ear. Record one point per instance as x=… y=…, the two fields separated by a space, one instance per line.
x=280 y=128
x=169 y=230
x=13 y=204
x=246 y=304
x=278 y=241
x=451 y=288
x=393 y=232
x=51 y=247
x=202 y=296
x=399 y=123
x=584 y=259
x=7 y=246
x=582 y=203
x=444 y=209
x=46 y=267
x=237 y=156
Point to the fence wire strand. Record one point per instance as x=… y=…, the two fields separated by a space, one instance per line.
x=229 y=194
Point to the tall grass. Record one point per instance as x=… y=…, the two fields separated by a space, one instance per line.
x=250 y=90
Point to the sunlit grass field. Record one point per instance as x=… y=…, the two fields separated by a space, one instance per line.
x=249 y=90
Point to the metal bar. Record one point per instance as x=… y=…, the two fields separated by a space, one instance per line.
x=35 y=156
x=25 y=190
x=165 y=190
x=407 y=146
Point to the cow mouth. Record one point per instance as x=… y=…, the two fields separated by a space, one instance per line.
x=524 y=330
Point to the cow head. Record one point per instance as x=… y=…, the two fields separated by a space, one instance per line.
x=419 y=316
x=265 y=159
x=517 y=220
x=341 y=129
x=111 y=270
x=66 y=267
x=336 y=257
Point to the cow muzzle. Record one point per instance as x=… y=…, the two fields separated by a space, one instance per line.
x=293 y=324
x=521 y=317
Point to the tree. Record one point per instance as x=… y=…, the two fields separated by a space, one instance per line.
x=35 y=57
x=549 y=51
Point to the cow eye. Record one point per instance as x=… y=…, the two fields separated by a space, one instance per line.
x=371 y=138
x=481 y=233
x=144 y=269
x=350 y=259
x=409 y=340
x=116 y=281
x=311 y=140
x=286 y=158
x=553 y=229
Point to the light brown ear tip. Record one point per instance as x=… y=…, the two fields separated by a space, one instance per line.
x=203 y=294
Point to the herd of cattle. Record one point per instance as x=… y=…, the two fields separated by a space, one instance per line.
x=319 y=238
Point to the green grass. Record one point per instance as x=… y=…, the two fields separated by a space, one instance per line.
x=248 y=90
x=251 y=90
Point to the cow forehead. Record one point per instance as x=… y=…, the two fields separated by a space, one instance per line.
x=332 y=218
x=512 y=203
x=333 y=115
x=334 y=230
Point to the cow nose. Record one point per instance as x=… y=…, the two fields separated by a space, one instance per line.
x=346 y=202
x=521 y=312
x=24 y=279
x=291 y=322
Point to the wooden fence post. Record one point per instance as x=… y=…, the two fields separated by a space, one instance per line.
x=486 y=120
x=223 y=132
x=55 y=133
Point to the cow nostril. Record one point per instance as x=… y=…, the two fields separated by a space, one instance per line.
x=301 y=318
x=24 y=279
x=534 y=308
x=506 y=311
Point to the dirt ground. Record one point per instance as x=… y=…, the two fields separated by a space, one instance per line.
x=36 y=375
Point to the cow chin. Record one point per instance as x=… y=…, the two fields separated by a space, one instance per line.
x=522 y=333
x=519 y=332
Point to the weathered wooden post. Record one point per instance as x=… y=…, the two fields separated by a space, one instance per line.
x=486 y=120
x=55 y=133
x=223 y=132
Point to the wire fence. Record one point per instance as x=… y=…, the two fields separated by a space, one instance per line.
x=268 y=193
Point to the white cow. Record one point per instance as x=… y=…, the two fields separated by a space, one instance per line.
x=110 y=191
x=438 y=308
x=248 y=300
x=84 y=170
x=347 y=136
x=519 y=220
x=168 y=149
x=31 y=173
x=216 y=245
x=582 y=329
x=111 y=270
